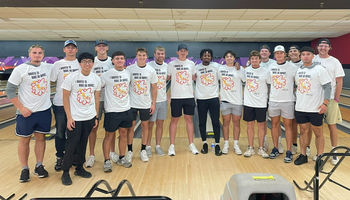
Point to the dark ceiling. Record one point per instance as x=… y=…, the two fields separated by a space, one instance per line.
x=184 y=4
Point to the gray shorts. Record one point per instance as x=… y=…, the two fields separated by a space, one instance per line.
x=228 y=108
x=284 y=109
x=101 y=110
x=160 y=111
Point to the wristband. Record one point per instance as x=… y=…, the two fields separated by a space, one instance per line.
x=325 y=104
x=337 y=100
x=96 y=118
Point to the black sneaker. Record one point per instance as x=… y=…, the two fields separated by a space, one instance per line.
x=41 y=172
x=205 y=148
x=58 y=165
x=24 y=176
x=274 y=153
x=83 y=173
x=301 y=159
x=320 y=163
x=66 y=180
x=217 y=150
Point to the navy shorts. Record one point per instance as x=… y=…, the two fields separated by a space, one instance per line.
x=39 y=122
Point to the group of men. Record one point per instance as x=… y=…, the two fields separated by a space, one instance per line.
x=88 y=86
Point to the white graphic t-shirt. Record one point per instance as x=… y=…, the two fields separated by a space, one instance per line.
x=255 y=91
x=282 y=82
x=207 y=85
x=268 y=63
x=61 y=69
x=231 y=84
x=333 y=67
x=140 y=85
x=116 y=85
x=181 y=78
x=298 y=63
x=310 y=94
x=33 y=85
x=161 y=71
x=82 y=97
x=101 y=67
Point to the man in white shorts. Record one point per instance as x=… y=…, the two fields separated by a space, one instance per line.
x=282 y=99
x=161 y=109
x=231 y=97
x=61 y=69
x=313 y=94
x=33 y=108
x=255 y=102
x=143 y=78
x=117 y=109
x=180 y=71
x=102 y=63
x=336 y=73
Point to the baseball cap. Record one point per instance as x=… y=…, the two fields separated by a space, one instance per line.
x=182 y=46
x=67 y=42
x=265 y=46
x=294 y=47
x=101 y=41
x=324 y=41
x=279 y=48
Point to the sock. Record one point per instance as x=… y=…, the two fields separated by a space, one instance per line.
x=308 y=146
x=107 y=160
x=148 y=147
x=204 y=142
x=25 y=167
x=295 y=144
x=172 y=145
x=66 y=171
x=216 y=144
x=143 y=147
x=226 y=142
x=38 y=164
x=265 y=138
x=157 y=146
x=235 y=142
x=279 y=139
x=120 y=157
x=79 y=167
x=130 y=147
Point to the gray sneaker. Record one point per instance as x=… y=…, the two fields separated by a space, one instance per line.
x=160 y=151
x=124 y=162
x=149 y=151
x=107 y=166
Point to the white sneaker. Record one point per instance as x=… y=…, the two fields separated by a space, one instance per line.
x=266 y=145
x=334 y=160
x=90 y=162
x=294 y=149
x=225 y=148
x=280 y=148
x=124 y=162
x=143 y=156
x=193 y=149
x=314 y=158
x=250 y=151
x=159 y=151
x=308 y=151
x=129 y=156
x=171 y=150
x=237 y=150
x=149 y=151
x=113 y=156
x=263 y=153
x=107 y=166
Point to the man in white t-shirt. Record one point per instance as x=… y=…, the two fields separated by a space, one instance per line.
x=282 y=99
x=33 y=108
x=207 y=95
x=117 y=109
x=336 y=73
x=255 y=102
x=81 y=98
x=180 y=71
x=161 y=109
x=61 y=69
x=142 y=101
x=312 y=98
x=102 y=63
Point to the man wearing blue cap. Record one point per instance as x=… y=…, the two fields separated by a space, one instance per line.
x=102 y=63
x=61 y=69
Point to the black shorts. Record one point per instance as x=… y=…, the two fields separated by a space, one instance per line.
x=251 y=114
x=188 y=105
x=314 y=118
x=144 y=114
x=115 y=120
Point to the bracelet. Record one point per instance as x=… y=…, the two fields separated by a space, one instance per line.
x=337 y=100
x=96 y=118
x=325 y=104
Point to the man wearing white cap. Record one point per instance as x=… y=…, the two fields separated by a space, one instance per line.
x=282 y=99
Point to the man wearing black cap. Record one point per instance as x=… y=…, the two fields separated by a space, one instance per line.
x=181 y=71
x=102 y=63
x=336 y=73
x=61 y=69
